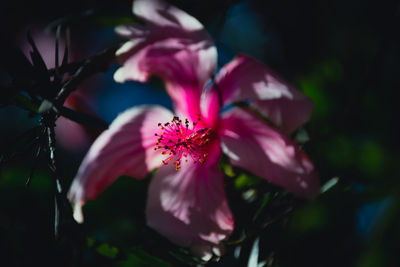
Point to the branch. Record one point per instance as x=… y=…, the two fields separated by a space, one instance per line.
x=93 y=65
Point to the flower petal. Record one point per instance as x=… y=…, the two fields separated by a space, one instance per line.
x=172 y=45
x=189 y=206
x=210 y=108
x=253 y=145
x=245 y=78
x=285 y=113
x=126 y=148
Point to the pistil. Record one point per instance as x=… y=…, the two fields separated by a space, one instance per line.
x=182 y=141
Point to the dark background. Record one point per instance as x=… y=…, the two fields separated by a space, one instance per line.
x=343 y=54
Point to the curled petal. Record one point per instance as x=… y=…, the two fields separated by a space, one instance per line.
x=172 y=45
x=253 y=145
x=245 y=78
x=126 y=148
x=162 y=14
x=189 y=206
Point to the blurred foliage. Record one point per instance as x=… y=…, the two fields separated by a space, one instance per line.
x=342 y=54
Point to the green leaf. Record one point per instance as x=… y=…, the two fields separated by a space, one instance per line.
x=90 y=241
x=107 y=250
x=228 y=170
x=140 y=258
x=311 y=217
x=112 y=21
x=244 y=180
x=25 y=103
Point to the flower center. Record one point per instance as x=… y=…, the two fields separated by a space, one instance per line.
x=178 y=140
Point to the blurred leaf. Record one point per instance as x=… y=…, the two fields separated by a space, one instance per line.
x=90 y=241
x=140 y=258
x=244 y=180
x=301 y=136
x=310 y=217
x=313 y=87
x=253 y=258
x=329 y=184
x=107 y=250
x=371 y=158
x=228 y=170
x=372 y=258
x=15 y=177
x=226 y=166
x=25 y=102
x=342 y=151
x=332 y=70
x=112 y=21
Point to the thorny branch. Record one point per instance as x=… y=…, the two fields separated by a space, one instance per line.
x=46 y=98
x=93 y=65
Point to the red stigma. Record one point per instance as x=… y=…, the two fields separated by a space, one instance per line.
x=178 y=140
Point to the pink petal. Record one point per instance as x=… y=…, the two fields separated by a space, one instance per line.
x=285 y=113
x=210 y=108
x=245 y=78
x=172 y=45
x=126 y=148
x=257 y=147
x=189 y=206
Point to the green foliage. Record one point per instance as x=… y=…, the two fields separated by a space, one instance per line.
x=107 y=250
x=141 y=258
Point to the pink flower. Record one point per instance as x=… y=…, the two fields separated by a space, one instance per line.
x=186 y=199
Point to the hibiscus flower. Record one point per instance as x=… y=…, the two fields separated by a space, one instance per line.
x=186 y=199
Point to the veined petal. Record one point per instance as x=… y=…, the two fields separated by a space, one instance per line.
x=210 y=107
x=126 y=148
x=285 y=113
x=189 y=206
x=245 y=78
x=172 y=45
x=257 y=147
